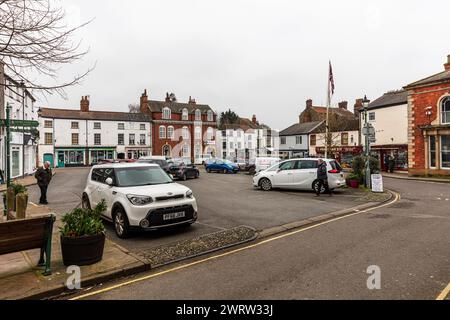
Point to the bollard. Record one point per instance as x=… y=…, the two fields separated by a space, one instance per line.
x=21 y=205
x=10 y=201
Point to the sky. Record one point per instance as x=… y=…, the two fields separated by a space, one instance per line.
x=254 y=56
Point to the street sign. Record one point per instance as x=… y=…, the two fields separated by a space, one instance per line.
x=377 y=183
x=20 y=123
x=368 y=130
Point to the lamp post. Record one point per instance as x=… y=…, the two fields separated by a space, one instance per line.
x=366 y=103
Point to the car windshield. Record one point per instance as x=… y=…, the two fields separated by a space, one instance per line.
x=228 y=162
x=141 y=176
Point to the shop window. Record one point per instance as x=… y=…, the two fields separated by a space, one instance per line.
x=445 y=151
x=432 y=158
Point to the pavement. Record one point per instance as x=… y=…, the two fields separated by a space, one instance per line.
x=27 y=181
x=405 y=176
x=232 y=214
x=406 y=241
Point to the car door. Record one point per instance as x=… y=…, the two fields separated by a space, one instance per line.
x=107 y=192
x=283 y=178
x=94 y=185
x=305 y=174
x=218 y=165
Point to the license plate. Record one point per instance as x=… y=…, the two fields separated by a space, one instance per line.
x=175 y=215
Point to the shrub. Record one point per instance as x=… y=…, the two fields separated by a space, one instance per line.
x=83 y=222
x=359 y=165
x=354 y=176
x=18 y=188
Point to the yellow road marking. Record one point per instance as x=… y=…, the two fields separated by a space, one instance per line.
x=185 y=266
x=444 y=293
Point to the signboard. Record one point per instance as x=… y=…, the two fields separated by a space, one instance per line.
x=368 y=130
x=354 y=150
x=20 y=123
x=377 y=183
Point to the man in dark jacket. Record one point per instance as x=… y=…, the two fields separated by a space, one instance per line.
x=322 y=177
x=44 y=176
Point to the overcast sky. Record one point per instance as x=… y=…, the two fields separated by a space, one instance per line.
x=255 y=57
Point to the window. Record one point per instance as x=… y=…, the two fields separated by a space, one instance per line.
x=198 y=115
x=282 y=140
x=132 y=139
x=170 y=133
x=313 y=139
x=75 y=125
x=298 y=140
x=75 y=140
x=48 y=138
x=224 y=133
x=344 y=139
x=48 y=124
x=143 y=126
x=162 y=132
x=239 y=145
x=185 y=115
x=446 y=110
x=250 y=145
x=97 y=139
x=97 y=126
x=210 y=134
x=121 y=126
x=185 y=151
x=121 y=139
x=98 y=175
x=372 y=116
x=210 y=116
x=239 y=133
x=231 y=145
x=352 y=140
x=167 y=113
x=307 y=164
x=185 y=133
x=198 y=133
x=142 y=140
x=287 y=165
x=445 y=151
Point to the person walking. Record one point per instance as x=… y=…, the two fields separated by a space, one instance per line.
x=322 y=177
x=43 y=176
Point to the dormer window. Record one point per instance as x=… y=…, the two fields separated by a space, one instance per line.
x=445 y=110
x=167 y=113
x=185 y=115
x=210 y=116
x=198 y=115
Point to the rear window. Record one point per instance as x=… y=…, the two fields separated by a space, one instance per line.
x=336 y=166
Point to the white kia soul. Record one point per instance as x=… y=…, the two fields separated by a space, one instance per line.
x=139 y=196
x=299 y=174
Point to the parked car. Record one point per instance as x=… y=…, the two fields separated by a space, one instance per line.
x=139 y=196
x=163 y=163
x=106 y=161
x=183 y=169
x=224 y=166
x=299 y=174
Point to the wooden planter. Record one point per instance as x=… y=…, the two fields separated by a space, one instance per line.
x=82 y=251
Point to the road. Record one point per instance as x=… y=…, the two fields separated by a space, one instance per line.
x=408 y=240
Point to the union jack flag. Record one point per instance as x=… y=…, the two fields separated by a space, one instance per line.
x=331 y=81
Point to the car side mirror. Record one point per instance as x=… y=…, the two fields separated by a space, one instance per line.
x=109 y=182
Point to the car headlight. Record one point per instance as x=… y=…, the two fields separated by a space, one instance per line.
x=139 y=200
x=190 y=194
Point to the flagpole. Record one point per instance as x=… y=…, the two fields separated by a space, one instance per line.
x=327 y=122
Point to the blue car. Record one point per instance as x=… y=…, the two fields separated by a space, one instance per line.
x=223 y=166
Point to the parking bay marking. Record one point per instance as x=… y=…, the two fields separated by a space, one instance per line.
x=444 y=293
x=212 y=258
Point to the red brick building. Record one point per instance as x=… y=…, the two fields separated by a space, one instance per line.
x=181 y=129
x=429 y=124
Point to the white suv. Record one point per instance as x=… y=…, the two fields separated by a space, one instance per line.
x=299 y=174
x=139 y=196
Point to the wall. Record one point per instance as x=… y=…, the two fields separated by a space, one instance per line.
x=337 y=139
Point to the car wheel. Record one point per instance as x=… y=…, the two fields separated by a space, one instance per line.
x=265 y=184
x=121 y=224
x=85 y=203
x=316 y=187
x=184 y=177
x=208 y=170
x=197 y=175
x=225 y=171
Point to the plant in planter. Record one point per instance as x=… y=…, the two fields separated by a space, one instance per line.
x=16 y=190
x=354 y=180
x=83 y=236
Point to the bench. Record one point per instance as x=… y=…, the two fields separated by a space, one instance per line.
x=28 y=234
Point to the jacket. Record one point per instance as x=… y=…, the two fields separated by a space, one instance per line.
x=43 y=176
x=322 y=172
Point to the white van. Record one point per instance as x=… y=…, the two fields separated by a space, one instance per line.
x=261 y=164
x=153 y=158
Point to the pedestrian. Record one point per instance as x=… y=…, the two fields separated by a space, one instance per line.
x=322 y=177
x=44 y=176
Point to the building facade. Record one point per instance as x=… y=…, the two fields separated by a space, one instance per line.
x=429 y=124
x=23 y=141
x=70 y=138
x=389 y=116
x=294 y=141
x=185 y=130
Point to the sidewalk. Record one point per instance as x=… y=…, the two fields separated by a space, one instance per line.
x=405 y=176
x=27 y=181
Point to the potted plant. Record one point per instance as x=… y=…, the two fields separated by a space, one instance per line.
x=354 y=180
x=83 y=236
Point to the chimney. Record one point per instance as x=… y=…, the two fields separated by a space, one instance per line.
x=167 y=97
x=84 y=104
x=358 y=106
x=343 y=105
x=192 y=101
x=309 y=103
x=254 y=120
x=144 y=102
x=447 y=65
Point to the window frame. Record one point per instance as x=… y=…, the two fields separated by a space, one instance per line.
x=283 y=140
x=345 y=139
x=48 y=124
x=162 y=132
x=77 y=139
x=97 y=126
x=99 y=136
x=142 y=139
x=170 y=132
x=297 y=138
x=445 y=114
x=121 y=139
x=442 y=151
x=50 y=136
x=166 y=113
x=185 y=114
x=132 y=142
x=372 y=116
x=142 y=127
x=121 y=126
x=313 y=140
x=198 y=115
x=210 y=116
x=75 y=125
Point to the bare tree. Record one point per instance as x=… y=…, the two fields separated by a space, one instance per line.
x=134 y=108
x=35 y=39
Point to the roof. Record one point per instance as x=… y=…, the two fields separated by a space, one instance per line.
x=17 y=85
x=125 y=165
x=389 y=99
x=176 y=107
x=244 y=124
x=93 y=115
x=300 y=128
x=338 y=111
x=434 y=79
x=342 y=126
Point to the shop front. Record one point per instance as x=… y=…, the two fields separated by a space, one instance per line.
x=391 y=157
x=70 y=157
x=344 y=155
x=137 y=153
x=99 y=154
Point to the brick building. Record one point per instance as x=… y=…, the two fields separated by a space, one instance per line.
x=429 y=124
x=318 y=113
x=181 y=129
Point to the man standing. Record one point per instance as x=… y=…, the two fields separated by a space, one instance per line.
x=44 y=176
x=322 y=177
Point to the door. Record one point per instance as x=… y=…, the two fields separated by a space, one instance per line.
x=61 y=159
x=15 y=164
x=49 y=157
x=284 y=177
x=305 y=174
